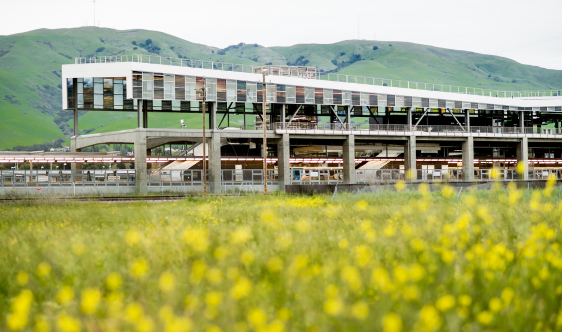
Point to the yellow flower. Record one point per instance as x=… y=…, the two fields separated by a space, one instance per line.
x=132 y=237
x=429 y=318
x=257 y=317
x=400 y=274
x=445 y=303
x=133 y=312
x=361 y=205
x=41 y=324
x=90 y=300
x=391 y=323
x=350 y=274
x=302 y=226
x=43 y=270
x=275 y=264
x=167 y=282
x=465 y=300
x=333 y=306
x=197 y=238
x=485 y=317
x=417 y=272
x=360 y=310
x=241 y=235
x=241 y=288
x=214 y=276
x=400 y=185
x=79 y=249
x=495 y=304
x=113 y=281
x=213 y=299
x=220 y=253
x=247 y=257
x=18 y=317
x=344 y=243
x=284 y=240
x=66 y=323
x=447 y=191
x=507 y=295
x=284 y=314
x=139 y=268
x=65 y=295
x=22 y=278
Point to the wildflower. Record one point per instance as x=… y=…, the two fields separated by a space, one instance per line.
x=429 y=318
x=214 y=276
x=360 y=310
x=507 y=295
x=90 y=300
x=132 y=237
x=447 y=191
x=484 y=317
x=41 y=324
x=417 y=272
x=400 y=274
x=139 y=268
x=247 y=257
x=284 y=314
x=350 y=274
x=43 y=270
x=167 y=282
x=344 y=243
x=302 y=226
x=65 y=295
x=66 y=323
x=362 y=255
x=445 y=303
x=241 y=288
x=361 y=205
x=197 y=239
x=213 y=299
x=79 y=249
x=333 y=307
x=18 y=317
x=133 y=312
x=257 y=317
x=284 y=240
x=400 y=185
x=241 y=235
x=275 y=264
x=495 y=304
x=220 y=253
x=22 y=278
x=465 y=300
x=391 y=322
x=113 y=281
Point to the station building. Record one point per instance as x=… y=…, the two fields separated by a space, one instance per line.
x=347 y=127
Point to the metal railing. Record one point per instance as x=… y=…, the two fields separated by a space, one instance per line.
x=66 y=178
x=424 y=130
x=435 y=87
x=194 y=63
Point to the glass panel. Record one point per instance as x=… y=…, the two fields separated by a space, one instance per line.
x=290 y=94
x=270 y=91
x=251 y=92
x=309 y=95
x=346 y=97
x=176 y=105
x=318 y=96
x=157 y=105
x=118 y=89
x=328 y=96
x=230 y=90
x=364 y=99
x=118 y=100
x=147 y=87
x=221 y=90
x=108 y=102
x=70 y=87
x=80 y=87
x=108 y=83
x=158 y=81
x=211 y=92
x=80 y=99
x=337 y=97
x=179 y=81
x=98 y=101
x=147 y=76
x=98 y=80
x=158 y=93
x=88 y=83
x=98 y=88
x=241 y=93
x=300 y=94
x=190 y=88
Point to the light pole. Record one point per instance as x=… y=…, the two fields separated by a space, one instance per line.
x=204 y=173
x=264 y=136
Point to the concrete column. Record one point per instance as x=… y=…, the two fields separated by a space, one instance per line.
x=409 y=120
x=75 y=122
x=214 y=164
x=145 y=119
x=283 y=116
x=141 y=176
x=140 y=116
x=523 y=157
x=283 y=165
x=522 y=121
x=75 y=166
x=468 y=160
x=347 y=114
x=349 y=174
x=212 y=115
x=467 y=120
x=410 y=158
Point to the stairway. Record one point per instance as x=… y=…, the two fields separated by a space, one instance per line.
x=378 y=164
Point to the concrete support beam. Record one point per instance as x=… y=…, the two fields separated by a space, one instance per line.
x=212 y=115
x=409 y=120
x=467 y=120
x=347 y=113
x=141 y=175
x=140 y=116
x=468 y=160
x=349 y=174
x=410 y=159
x=283 y=115
x=522 y=121
x=75 y=166
x=75 y=122
x=523 y=158
x=283 y=164
x=214 y=168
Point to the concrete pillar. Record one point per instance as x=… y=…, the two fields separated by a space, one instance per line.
x=283 y=164
x=283 y=115
x=145 y=119
x=467 y=120
x=522 y=121
x=347 y=114
x=212 y=115
x=214 y=164
x=523 y=157
x=410 y=158
x=468 y=160
x=141 y=176
x=75 y=166
x=140 y=116
x=75 y=122
x=349 y=174
x=409 y=120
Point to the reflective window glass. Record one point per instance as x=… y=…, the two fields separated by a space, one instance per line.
x=147 y=76
x=70 y=87
x=157 y=105
x=88 y=83
x=328 y=96
x=231 y=90
x=190 y=83
x=118 y=100
x=309 y=95
x=118 y=89
x=211 y=92
x=98 y=88
x=147 y=87
x=290 y=94
x=251 y=92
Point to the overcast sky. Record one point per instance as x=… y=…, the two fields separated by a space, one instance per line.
x=527 y=31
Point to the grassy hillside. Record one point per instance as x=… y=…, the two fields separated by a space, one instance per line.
x=30 y=68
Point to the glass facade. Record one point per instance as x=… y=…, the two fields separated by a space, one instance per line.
x=169 y=91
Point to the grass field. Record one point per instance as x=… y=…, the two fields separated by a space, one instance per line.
x=400 y=261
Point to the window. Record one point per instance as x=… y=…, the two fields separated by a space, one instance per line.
x=241 y=91
x=290 y=94
x=98 y=92
x=373 y=100
x=221 y=89
x=251 y=92
x=169 y=82
x=346 y=95
x=382 y=100
x=318 y=96
x=179 y=83
x=390 y=100
x=281 y=93
x=300 y=94
x=70 y=92
x=271 y=93
x=211 y=89
x=147 y=86
x=328 y=97
x=309 y=95
x=190 y=84
x=355 y=98
x=337 y=97
x=231 y=90
x=364 y=99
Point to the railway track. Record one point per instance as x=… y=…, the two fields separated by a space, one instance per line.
x=96 y=198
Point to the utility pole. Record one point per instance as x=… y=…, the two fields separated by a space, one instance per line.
x=264 y=137
x=203 y=97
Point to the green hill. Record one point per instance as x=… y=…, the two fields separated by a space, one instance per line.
x=30 y=68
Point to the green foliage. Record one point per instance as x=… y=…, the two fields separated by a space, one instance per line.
x=397 y=261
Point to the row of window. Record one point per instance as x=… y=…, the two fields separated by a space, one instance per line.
x=110 y=93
